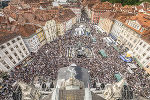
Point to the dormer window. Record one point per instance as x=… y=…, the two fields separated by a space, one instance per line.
x=142 y=29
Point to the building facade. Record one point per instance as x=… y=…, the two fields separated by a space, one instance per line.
x=133 y=33
x=13 y=51
x=30 y=37
x=98 y=9
x=50 y=30
x=77 y=11
x=106 y=22
x=142 y=53
x=41 y=36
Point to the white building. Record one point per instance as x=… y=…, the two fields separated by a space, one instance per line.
x=50 y=30
x=133 y=33
x=142 y=52
x=12 y=51
x=30 y=37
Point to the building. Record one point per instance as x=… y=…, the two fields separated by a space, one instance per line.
x=65 y=20
x=30 y=37
x=50 y=30
x=142 y=53
x=41 y=36
x=98 y=9
x=77 y=10
x=71 y=87
x=106 y=21
x=13 y=50
x=132 y=32
x=141 y=25
x=88 y=6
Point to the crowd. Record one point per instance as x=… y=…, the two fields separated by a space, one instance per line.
x=49 y=58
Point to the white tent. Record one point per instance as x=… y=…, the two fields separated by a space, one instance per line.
x=129 y=69
x=132 y=65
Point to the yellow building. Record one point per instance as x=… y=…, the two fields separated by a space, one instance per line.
x=60 y=29
x=74 y=19
x=50 y=30
x=41 y=36
x=147 y=69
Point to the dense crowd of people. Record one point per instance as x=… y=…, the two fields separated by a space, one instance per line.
x=49 y=58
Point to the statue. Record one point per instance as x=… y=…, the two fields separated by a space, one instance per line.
x=72 y=71
x=113 y=92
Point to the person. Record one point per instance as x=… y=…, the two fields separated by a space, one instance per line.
x=43 y=86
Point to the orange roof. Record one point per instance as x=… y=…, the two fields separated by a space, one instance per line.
x=65 y=15
x=117 y=5
x=6 y=35
x=146 y=37
x=102 y=6
x=27 y=29
x=143 y=19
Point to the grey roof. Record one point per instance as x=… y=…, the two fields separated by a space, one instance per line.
x=81 y=74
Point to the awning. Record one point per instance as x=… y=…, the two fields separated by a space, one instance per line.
x=118 y=76
x=102 y=52
x=131 y=65
x=116 y=48
x=129 y=69
x=124 y=58
x=112 y=36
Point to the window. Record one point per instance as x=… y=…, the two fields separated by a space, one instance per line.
x=144 y=54
x=8 y=44
x=144 y=45
x=3 y=62
x=24 y=49
x=148 y=48
x=148 y=58
x=142 y=30
x=6 y=52
x=10 y=58
x=19 y=51
x=21 y=44
x=11 y=49
x=13 y=41
x=16 y=46
x=147 y=66
x=18 y=59
x=2 y=47
x=15 y=54
x=18 y=39
x=7 y=66
x=26 y=53
x=14 y=62
x=141 y=43
x=22 y=55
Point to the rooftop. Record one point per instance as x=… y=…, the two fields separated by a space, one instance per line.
x=6 y=35
x=27 y=29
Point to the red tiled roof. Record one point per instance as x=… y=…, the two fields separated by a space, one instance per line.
x=27 y=29
x=102 y=6
x=65 y=15
x=6 y=35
